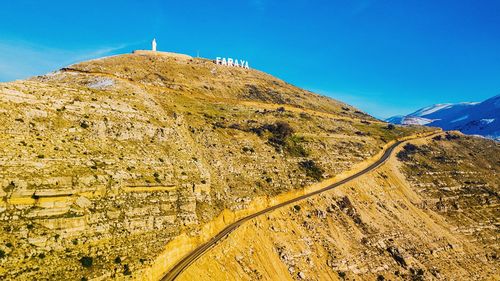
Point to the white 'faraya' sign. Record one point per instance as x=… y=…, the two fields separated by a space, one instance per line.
x=231 y=62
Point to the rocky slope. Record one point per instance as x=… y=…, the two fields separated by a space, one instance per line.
x=104 y=162
x=431 y=213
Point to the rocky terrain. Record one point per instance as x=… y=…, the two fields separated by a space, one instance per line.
x=430 y=213
x=104 y=162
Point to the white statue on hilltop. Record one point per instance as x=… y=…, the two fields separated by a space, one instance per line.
x=154 y=45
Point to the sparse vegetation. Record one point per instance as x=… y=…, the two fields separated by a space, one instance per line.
x=283 y=138
x=304 y=115
x=408 y=150
x=450 y=136
x=126 y=270
x=86 y=261
x=293 y=146
x=84 y=124
x=312 y=169
x=248 y=149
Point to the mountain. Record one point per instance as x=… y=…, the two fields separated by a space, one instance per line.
x=118 y=167
x=395 y=119
x=106 y=161
x=473 y=118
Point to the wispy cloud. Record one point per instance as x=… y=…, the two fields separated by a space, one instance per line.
x=20 y=60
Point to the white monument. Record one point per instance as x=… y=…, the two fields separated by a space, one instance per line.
x=153 y=44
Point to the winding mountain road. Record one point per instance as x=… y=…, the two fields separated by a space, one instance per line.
x=194 y=255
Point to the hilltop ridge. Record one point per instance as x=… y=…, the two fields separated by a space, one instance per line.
x=203 y=78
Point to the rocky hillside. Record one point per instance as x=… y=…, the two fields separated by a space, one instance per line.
x=104 y=162
x=430 y=213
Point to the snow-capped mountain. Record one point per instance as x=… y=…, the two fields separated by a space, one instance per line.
x=474 y=118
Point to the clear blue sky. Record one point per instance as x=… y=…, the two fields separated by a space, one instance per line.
x=384 y=56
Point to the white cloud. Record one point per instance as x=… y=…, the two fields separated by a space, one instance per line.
x=20 y=60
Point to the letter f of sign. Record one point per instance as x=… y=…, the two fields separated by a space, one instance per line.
x=217 y=60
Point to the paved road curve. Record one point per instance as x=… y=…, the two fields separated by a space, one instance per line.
x=194 y=255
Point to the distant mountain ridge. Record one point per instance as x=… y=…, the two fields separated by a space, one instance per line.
x=473 y=118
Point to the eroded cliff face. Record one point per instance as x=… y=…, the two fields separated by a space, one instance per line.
x=430 y=213
x=103 y=163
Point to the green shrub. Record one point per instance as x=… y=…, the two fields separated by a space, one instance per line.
x=304 y=115
x=293 y=146
x=84 y=124
x=451 y=136
x=312 y=169
x=248 y=149
x=408 y=150
x=126 y=270
x=86 y=261
x=283 y=138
